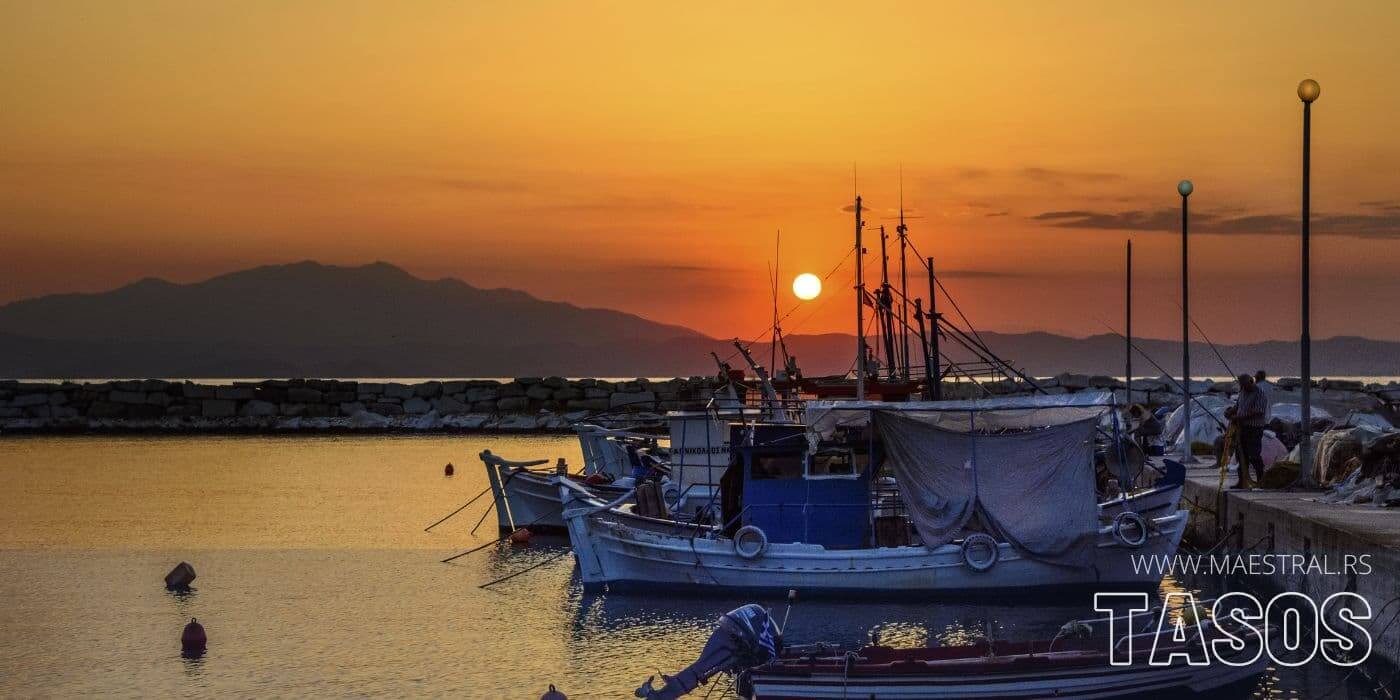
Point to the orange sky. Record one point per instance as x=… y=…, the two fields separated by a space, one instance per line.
x=641 y=155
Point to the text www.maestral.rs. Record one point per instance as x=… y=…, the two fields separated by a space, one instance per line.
x=1251 y=564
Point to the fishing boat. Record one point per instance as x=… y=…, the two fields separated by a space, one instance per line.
x=983 y=497
x=528 y=497
x=1070 y=669
x=1086 y=659
x=686 y=464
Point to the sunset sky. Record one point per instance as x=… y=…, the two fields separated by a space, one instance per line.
x=640 y=156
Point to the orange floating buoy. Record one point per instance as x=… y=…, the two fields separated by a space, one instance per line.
x=521 y=536
x=447 y=470
x=193 y=639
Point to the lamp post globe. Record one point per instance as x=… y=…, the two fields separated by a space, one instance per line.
x=1185 y=188
x=1309 y=90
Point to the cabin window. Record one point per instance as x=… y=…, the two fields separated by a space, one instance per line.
x=831 y=463
x=777 y=467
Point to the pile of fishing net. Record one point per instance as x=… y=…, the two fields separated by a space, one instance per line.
x=1363 y=467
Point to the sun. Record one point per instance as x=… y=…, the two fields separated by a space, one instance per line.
x=807 y=286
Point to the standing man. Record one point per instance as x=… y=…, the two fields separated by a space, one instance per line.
x=1261 y=382
x=1248 y=415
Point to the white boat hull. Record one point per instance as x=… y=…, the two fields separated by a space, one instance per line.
x=530 y=499
x=1149 y=503
x=616 y=554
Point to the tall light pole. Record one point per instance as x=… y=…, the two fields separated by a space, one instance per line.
x=1185 y=188
x=1308 y=91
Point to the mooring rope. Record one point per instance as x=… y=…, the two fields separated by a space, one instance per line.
x=464 y=507
x=478 y=548
x=532 y=567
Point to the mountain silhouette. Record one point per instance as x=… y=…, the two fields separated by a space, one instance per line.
x=307 y=319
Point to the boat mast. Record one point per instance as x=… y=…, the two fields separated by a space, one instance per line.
x=923 y=347
x=773 y=344
x=860 y=309
x=933 y=333
x=903 y=284
x=886 y=306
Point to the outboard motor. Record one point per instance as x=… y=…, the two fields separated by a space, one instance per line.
x=746 y=637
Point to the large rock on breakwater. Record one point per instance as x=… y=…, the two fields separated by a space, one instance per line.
x=525 y=403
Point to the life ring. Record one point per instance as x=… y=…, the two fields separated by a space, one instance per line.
x=750 y=542
x=972 y=541
x=1137 y=522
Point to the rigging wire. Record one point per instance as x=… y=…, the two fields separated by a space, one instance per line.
x=769 y=331
x=924 y=261
x=1213 y=349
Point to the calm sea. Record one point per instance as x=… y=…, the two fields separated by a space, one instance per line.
x=316 y=579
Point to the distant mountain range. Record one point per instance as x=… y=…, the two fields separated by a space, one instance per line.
x=306 y=319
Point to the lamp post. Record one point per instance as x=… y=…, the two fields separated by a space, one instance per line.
x=1185 y=188
x=1308 y=91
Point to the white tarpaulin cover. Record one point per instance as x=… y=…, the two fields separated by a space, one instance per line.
x=1033 y=489
x=992 y=415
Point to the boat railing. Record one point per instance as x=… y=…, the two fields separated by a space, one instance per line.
x=787 y=410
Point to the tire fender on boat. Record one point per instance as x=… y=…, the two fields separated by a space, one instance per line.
x=750 y=542
x=1128 y=520
x=971 y=542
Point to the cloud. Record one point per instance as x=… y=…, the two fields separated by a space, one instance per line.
x=1386 y=204
x=463 y=184
x=1349 y=224
x=622 y=204
x=1131 y=220
x=978 y=274
x=1051 y=175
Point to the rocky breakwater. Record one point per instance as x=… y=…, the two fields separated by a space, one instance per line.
x=1333 y=397
x=522 y=404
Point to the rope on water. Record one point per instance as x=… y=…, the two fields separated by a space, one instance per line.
x=498 y=540
x=483 y=517
x=529 y=568
x=464 y=507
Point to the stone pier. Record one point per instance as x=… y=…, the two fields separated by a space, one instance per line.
x=1290 y=522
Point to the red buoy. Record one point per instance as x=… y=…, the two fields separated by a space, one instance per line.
x=193 y=638
x=520 y=537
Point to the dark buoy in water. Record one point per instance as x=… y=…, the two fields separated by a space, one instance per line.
x=520 y=537
x=553 y=694
x=447 y=470
x=192 y=640
x=180 y=577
